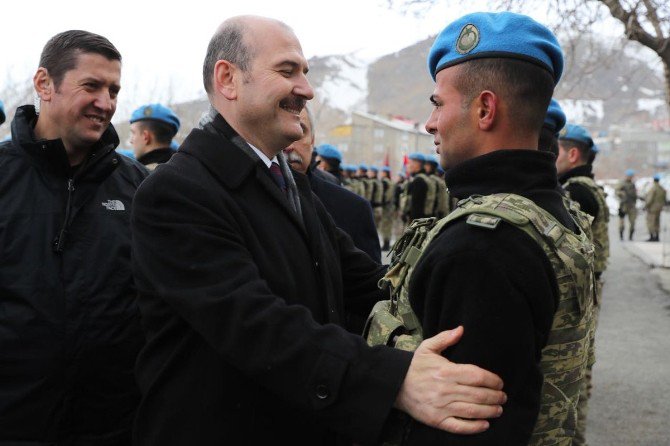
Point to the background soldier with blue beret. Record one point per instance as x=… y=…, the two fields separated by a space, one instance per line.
x=554 y=121
x=388 y=189
x=329 y=159
x=511 y=263
x=2 y=112
x=654 y=202
x=418 y=198
x=627 y=194
x=574 y=165
x=152 y=128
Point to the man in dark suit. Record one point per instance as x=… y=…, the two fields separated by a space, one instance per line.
x=244 y=278
x=351 y=213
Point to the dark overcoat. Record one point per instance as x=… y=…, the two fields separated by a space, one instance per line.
x=242 y=301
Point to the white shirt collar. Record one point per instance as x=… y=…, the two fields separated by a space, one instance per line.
x=268 y=162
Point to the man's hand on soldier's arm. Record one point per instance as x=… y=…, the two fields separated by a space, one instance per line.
x=457 y=398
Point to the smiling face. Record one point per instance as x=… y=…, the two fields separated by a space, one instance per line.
x=273 y=92
x=81 y=108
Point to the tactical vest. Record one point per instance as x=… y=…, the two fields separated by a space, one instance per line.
x=378 y=193
x=564 y=358
x=601 y=240
x=387 y=191
x=441 y=207
x=429 y=204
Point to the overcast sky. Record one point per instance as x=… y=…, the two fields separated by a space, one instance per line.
x=163 y=43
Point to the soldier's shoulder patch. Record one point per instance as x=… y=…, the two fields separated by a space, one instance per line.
x=483 y=221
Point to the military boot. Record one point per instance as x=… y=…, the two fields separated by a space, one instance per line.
x=630 y=235
x=621 y=234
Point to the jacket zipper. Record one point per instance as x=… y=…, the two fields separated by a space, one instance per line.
x=59 y=243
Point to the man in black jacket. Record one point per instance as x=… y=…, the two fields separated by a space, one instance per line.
x=244 y=279
x=350 y=212
x=70 y=327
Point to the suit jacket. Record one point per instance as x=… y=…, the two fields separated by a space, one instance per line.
x=241 y=300
x=351 y=213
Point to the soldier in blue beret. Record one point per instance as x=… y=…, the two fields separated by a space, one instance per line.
x=329 y=159
x=574 y=165
x=152 y=128
x=627 y=195
x=418 y=197
x=554 y=122
x=486 y=264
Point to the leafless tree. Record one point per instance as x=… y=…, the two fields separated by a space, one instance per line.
x=646 y=22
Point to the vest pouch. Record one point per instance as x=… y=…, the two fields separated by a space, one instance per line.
x=382 y=327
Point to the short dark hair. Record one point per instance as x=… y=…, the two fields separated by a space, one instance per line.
x=226 y=44
x=163 y=132
x=586 y=155
x=61 y=51
x=525 y=87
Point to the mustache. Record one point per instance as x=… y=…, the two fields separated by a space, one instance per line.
x=293 y=103
x=293 y=157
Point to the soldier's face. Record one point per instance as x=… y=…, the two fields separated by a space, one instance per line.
x=449 y=122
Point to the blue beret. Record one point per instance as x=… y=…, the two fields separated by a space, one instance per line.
x=174 y=145
x=657 y=176
x=576 y=133
x=156 y=112
x=555 y=119
x=374 y=168
x=496 y=35
x=629 y=172
x=416 y=156
x=432 y=159
x=350 y=168
x=2 y=112
x=386 y=169
x=328 y=151
x=363 y=166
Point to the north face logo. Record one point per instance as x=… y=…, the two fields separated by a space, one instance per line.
x=114 y=205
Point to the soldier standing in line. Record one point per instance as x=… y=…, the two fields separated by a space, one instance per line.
x=418 y=199
x=329 y=159
x=152 y=128
x=654 y=202
x=441 y=202
x=376 y=194
x=574 y=166
x=2 y=112
x=493 y=264
x=627 y=195
x=386 y=227
x=362 y=175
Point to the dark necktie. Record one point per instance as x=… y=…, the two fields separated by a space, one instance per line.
x=277 y=176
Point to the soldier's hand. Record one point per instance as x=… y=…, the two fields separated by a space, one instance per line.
x=453 y=397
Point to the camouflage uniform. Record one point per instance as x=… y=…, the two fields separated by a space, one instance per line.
x=441 y=207
x=627 y=195
x=654 y=202
x=415 y=204
x=599 y=228
x=564 y=357
x=386 y=226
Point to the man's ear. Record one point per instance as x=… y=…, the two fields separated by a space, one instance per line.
x=487 y=109
x=43 y=84
x=226 y=78
x=574 y=155
x=147 y=137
